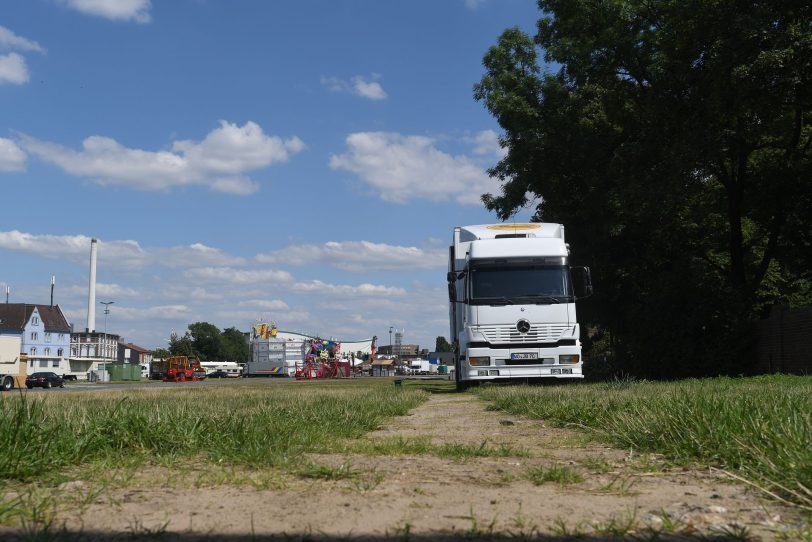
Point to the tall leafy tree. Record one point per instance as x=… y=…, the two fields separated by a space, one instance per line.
x=442 y=345
x=235 y=345
x=207 y=341
x=672 y=138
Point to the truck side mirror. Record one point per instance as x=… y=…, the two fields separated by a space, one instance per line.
x=452 y=291
x=582 y=279
x=451 y=276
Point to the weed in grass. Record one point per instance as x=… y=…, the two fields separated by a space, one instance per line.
x=458 y=451
x=597 y=465
x=617 y=526
x=138 y=530
x=618 y=485
x=560 y=474
x=562 y=529
x=521 y=528
x=326 y=472
x=367 y=481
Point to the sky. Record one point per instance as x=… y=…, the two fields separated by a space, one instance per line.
x=298 y=162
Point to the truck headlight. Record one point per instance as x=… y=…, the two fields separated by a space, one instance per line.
x=481 y=360
x=569 y=358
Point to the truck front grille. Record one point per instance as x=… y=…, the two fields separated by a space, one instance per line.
x=542 y=333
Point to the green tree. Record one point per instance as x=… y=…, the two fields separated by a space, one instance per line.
x=182 y=346
x=235 y=345
x=207 y=341
x=673 y=141
x=442 y=345
x=160 y=353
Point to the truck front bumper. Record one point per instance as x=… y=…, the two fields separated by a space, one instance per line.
x=502 y=364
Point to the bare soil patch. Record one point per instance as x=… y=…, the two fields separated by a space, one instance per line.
x=428 y=496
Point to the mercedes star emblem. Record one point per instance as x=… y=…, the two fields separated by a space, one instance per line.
x=523 y=326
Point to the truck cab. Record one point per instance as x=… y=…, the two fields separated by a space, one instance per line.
x=512 y=303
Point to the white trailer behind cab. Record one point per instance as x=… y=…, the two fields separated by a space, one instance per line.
x=512 y=303
x=12 y=371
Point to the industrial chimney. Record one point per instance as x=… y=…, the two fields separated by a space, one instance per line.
x=91 y=295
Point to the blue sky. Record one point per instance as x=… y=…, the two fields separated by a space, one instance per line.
x=296 y=161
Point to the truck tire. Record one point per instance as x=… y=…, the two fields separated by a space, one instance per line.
x=8 y=384
x=463 y=385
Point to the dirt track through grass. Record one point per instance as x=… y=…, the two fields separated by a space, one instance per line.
x=510 y=476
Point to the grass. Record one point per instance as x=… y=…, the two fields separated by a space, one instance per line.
x=558 y=474
x=757 y=429
x=247 y=425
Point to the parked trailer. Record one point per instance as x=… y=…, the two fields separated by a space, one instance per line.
x=12 y=366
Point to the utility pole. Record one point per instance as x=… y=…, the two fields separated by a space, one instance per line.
x=106 y=312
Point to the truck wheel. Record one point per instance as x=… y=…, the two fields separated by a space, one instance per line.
x=181 y=378
x=463 y=385
x=8 y=384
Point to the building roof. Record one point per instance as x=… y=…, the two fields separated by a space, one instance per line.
x=139 y=349
x=14 y=317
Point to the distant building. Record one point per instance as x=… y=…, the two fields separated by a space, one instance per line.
x=44 y=333
x=131 y=353
x=89 y=349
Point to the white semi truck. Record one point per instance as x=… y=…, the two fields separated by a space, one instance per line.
x=512 y=303
x=11 y=370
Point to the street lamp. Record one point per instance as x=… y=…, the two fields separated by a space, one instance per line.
x=106 y=312
x=391 y=354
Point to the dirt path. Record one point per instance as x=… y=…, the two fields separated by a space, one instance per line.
x=411 y=496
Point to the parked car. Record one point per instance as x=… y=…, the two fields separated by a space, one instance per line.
x=44 y=380
x=219 y=373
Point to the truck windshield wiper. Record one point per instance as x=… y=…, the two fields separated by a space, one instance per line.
x=500 y=300
x=536 y=297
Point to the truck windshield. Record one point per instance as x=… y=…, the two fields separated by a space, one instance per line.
x=491 y=284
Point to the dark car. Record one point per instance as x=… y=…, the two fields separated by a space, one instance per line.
x=44 y=380
x=219 y=373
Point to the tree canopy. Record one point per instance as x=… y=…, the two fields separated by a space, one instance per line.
x=206 y=341
x=672 y=139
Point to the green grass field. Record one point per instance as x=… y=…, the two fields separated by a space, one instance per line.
x=250 y=424
x=759 y=429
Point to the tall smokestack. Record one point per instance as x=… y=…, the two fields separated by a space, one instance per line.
x=91 y=295
x=53 y=282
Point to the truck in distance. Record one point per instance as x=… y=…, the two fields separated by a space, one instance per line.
x=512 y=303
x=11 y=370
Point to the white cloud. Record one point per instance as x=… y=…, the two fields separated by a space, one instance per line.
x=230 y=275
x=12 y=157
x=216 y=162
x=358 y=256
x=264 y=304
x=486 y=143
x=13 y=69
x=344 y=290
x=473 y=5
x=118 y=254
x=401 y=168
x=359 y=85
x=115 y=10
x=10 y=40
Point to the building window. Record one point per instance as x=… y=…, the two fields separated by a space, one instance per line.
x=47 y=337
x=35 y=320
x=33 y=350
x=74 y=351
x=31 y=363
x=61 y=337
x=60 y=352
x=47 y=351
x=43 y=363
x=55 y=364
x=34 y=335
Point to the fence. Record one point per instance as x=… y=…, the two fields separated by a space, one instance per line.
x=785 y=341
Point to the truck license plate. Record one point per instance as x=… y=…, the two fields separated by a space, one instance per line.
x=525 y=355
